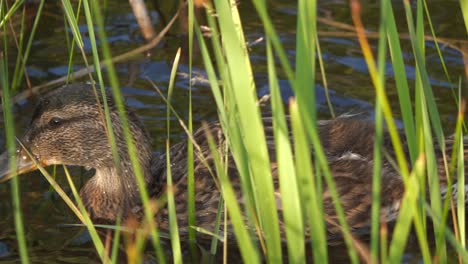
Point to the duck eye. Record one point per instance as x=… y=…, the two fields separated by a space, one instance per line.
x=55 y=121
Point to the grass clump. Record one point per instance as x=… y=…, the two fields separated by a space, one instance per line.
x=299 y=226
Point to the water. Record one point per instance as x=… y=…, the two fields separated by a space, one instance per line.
x=45 y=215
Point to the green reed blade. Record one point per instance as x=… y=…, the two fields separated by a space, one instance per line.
x=464 y=9
x=171 y=206
x=249 y=124
x=407 y=211
x=461 y=197
x=96 y=10
x=68 y=9
x=227 y=109
x=437 y=46
x=21 y=66
x=401 y=81
x=116 y=241
x=214 y=241
x=462 y=252
x=97 y=67
x=173 y=225
x=87 y=220
x=230 y=132
x=324 y=77
x=7 y=15
x=305 y=96
x=311 y=196
x=11 y=149
x=247 y=249
x=289 y=187
x=378 y=142
x=190 y=158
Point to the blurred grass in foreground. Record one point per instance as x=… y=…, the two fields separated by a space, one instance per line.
x=301 y=181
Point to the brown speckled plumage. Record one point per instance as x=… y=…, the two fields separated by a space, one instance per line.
x=67 y=127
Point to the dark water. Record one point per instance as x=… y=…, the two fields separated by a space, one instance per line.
x=45 y=215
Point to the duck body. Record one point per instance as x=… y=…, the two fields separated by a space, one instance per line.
x=68 y=127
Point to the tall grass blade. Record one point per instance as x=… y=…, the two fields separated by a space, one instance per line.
x=226 y=108
x=173 y=225
x=464 y=9
x=406 y=213
x=116 y=241
x=305 y=96
x=378 y=139
x=95 y=7
x=190 y=158
x=23 y=57
x=311 y=193
x=324 y=77
x=249 y=124
x=67 y=6
x=247 y=249
x=6 y=14
x=289 y=187
x=11 y=149
x=461 y=183
x=401 y=81
x=87 y=220
x=97 y=66
x=437 y=46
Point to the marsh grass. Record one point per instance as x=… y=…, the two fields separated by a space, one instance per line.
x=257 y=223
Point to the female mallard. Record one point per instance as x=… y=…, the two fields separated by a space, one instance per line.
x=68 y=127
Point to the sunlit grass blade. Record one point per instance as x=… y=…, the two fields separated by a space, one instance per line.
x=461 y=197
x=311 y=193
x=97 y=67
x=464 y=8
x=96 y=10
x=67 y=6
x=87 y=220
x=174 y=230
x=429 y=115
x=437 y=46
x=247 y=249
x=289 y=187
x=378 y=140
x=226 y=109
x=214 y=241
x=249 y=124
x=11 y=148
x=460 y=250
x=190 y=158
x=305 y=96
x=457 y=196
x=424 y=77
x=173 y=225
x=324 y=77
x=401 y=81
x=116 y=241
x=6 y=14
x=71 y=42
x=23 y=57
x=231 y=132
x=406 y=213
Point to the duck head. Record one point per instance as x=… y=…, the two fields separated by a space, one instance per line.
x=68 y=127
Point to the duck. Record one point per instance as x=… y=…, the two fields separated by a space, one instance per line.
x=68 y=127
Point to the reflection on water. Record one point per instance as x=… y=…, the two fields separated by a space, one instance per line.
x=49 y=240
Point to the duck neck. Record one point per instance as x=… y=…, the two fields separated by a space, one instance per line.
x=113 y=190
x=111 y=193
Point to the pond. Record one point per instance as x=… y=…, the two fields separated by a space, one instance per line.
x=51 y=238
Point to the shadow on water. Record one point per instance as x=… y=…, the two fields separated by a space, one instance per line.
x=350 y=88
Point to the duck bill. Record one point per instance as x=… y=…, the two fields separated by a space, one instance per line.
x=23 y=165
